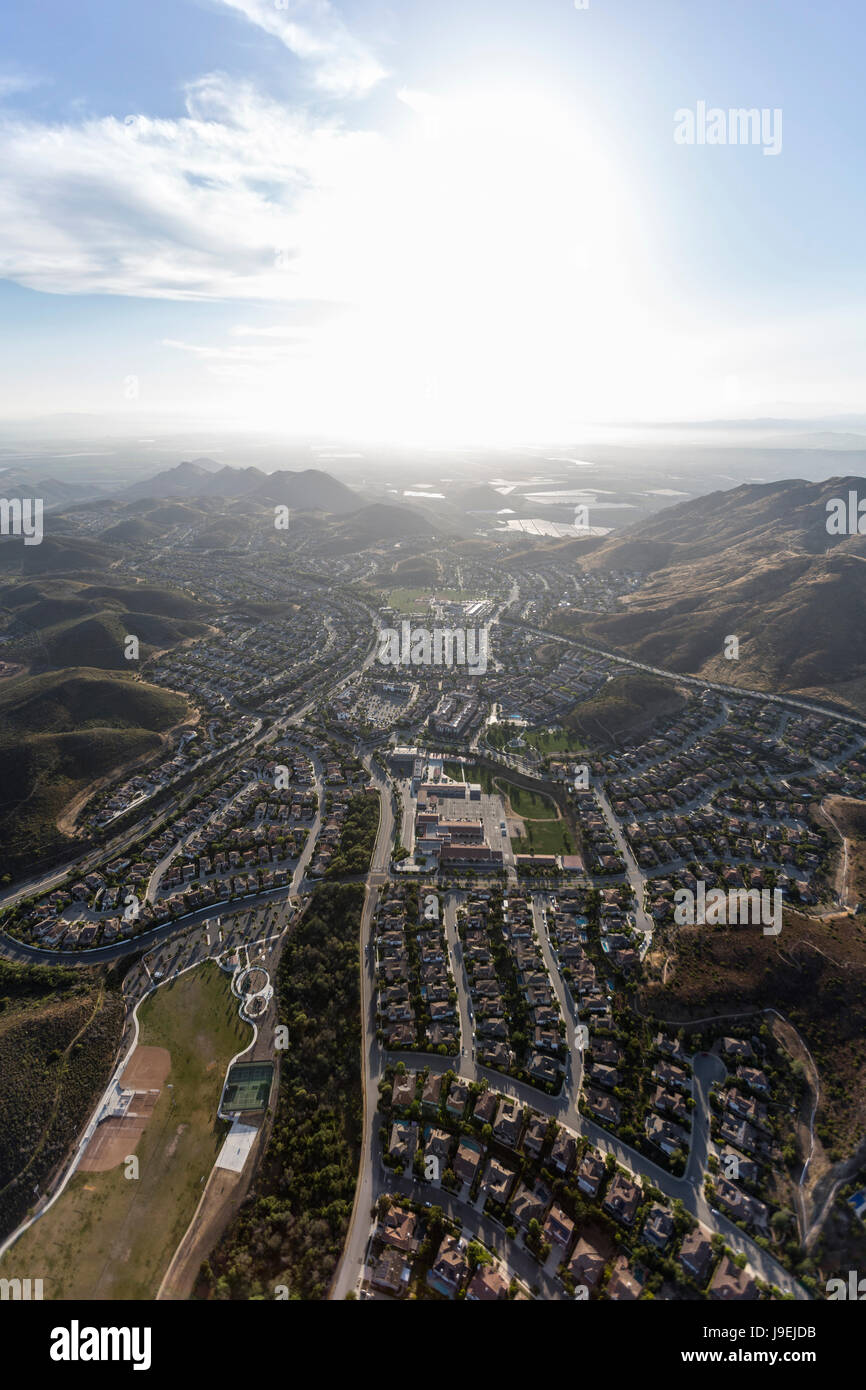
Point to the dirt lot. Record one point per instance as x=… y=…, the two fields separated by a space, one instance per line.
x=117 y=1137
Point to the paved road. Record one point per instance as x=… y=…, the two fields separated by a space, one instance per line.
x=458 y=970
x=372 y=1063
x=633 y=873
x=374 y=1179
x=102 y=955
x=573 y=1079
x=734 y=691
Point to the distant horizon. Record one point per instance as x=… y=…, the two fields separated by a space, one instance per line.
x=743 y=432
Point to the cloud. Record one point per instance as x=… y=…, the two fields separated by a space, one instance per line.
x=315 y=33
x=425 y=106
x=11 y=83
x=250 y=353
x=229 y=201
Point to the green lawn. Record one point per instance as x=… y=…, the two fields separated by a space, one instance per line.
x=525 y=803
x=548 y=837
x=558 y=741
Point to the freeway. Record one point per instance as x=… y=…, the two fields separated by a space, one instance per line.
x=735 y=691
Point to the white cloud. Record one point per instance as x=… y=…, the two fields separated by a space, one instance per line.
x=217 y=204
x=250 y=353
x=482 y=271
x=315 y=33
x=11 y=83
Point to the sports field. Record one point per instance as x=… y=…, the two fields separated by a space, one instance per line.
x=415 y=601
x=110 y=1236
x=248 y=1087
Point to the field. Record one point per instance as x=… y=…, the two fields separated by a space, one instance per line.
x=553 y=741
x=527 y=804
x=544 y=837
x=418 y=601
x=112 y=1237
x=545 y=832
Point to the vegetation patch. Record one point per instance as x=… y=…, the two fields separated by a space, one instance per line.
x=813 y=973
x=623 y=706
x=291 y=1228
x=59 y=1034
x=357 y=837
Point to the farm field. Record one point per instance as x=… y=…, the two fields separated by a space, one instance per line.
x=112 y=1237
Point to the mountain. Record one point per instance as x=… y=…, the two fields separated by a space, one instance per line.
x=307 y=490
x=755 y=562
x=18 y=482
x=187 y=479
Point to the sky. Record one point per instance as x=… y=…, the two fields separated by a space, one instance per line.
x=476 y=220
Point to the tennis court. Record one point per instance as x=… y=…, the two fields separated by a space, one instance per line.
x=247 y=1087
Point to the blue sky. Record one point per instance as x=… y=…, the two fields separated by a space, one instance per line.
x=467 y=220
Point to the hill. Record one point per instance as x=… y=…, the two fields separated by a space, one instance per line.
x=79 y=624
x=757 y=563
x=380 y=521
x=307 y=490
x=56 y=554
x=623 y=707
x=59 y=733
x=64 y=701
